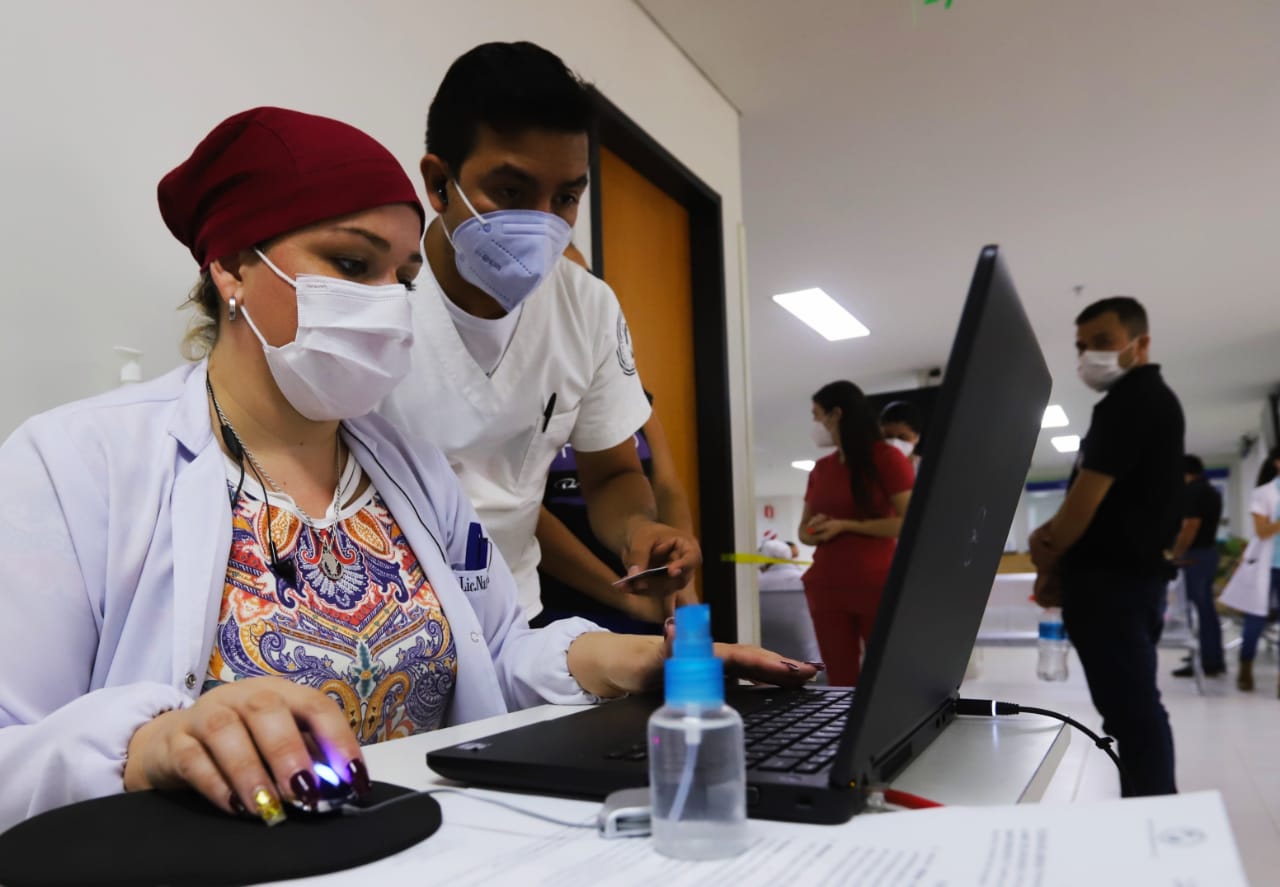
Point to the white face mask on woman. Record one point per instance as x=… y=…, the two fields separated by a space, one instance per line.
x=821 y=435
x=352 y=347
x=904 y=447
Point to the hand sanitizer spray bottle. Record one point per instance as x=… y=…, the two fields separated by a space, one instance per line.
x=697 y=770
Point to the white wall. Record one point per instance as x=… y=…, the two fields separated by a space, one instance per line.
x=101 y=99
x=785 y=521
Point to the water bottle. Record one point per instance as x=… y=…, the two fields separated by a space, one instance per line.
x=697 y=764
x=1052 y=665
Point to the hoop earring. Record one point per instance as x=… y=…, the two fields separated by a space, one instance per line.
x=232 y=309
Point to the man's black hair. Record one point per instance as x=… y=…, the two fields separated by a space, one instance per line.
x=1128 y=309
x=903 y=411
x=1193 y=465
x=510 y=88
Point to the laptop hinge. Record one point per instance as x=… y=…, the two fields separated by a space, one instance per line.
x=888 y=763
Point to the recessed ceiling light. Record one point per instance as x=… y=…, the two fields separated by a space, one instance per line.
x=1054 y=417
x=1067 y=443
x=823 y=314
x=803 y=464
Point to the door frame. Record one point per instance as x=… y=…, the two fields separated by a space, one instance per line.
x=620 y=134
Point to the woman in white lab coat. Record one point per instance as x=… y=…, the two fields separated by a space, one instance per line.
x=1254 y=588
x=200 y=566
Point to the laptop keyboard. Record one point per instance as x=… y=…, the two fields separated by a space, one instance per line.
x=800 y=735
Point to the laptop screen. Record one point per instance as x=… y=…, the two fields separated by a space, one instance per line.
x=981 y=437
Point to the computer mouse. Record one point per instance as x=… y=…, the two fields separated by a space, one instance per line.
x=334 y=793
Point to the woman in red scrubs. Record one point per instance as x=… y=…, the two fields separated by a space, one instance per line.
x=853 y=512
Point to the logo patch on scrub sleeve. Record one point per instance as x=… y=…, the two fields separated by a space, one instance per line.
x=473 y=572
x=626 y=356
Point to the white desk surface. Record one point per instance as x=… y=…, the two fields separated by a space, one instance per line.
x=976 y=761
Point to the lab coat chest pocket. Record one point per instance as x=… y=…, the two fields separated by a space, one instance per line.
x=544 y=444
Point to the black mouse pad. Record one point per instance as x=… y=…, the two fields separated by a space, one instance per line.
x=180 y=839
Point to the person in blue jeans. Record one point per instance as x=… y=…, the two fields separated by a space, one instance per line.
x=1196 y=551
x=1253 y=625
x=1255 y=587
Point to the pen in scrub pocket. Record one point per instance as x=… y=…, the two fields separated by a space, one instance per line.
x=546 y=414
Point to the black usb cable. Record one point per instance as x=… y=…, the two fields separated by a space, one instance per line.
x=989 y=708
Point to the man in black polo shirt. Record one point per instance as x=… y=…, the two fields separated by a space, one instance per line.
x=1105 y=548
x=1197 y=552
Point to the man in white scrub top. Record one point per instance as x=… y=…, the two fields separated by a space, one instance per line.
x=517 y=350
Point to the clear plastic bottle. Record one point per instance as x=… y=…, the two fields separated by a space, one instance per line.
x=1052 y=664
x=697 y=767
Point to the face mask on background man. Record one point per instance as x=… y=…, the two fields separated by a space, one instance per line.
x=509 y=252
x=1101 y=369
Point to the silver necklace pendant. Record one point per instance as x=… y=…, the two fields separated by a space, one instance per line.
x=329 y=563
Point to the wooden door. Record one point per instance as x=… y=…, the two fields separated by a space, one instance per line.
x=646 y=251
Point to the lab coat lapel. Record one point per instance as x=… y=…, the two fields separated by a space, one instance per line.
x=477 y=693
x=201 y=516
x=201 y=545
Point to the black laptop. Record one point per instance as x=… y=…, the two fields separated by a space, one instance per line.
x=813 y=754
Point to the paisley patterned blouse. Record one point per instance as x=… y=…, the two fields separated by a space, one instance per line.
x=362 y=623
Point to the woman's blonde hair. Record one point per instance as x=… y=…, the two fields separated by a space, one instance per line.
x=202 y=334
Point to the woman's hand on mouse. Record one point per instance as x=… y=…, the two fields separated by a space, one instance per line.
x=241 y=745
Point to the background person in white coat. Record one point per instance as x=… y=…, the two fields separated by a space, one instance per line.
x=521 y=348
x=201 y=566
x=1254 y=588
x=785 y=624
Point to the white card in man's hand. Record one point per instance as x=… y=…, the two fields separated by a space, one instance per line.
x=641 y=575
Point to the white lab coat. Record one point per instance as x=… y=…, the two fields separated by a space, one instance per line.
x=571 y=341
x=1249 y=589
x=785 y=624
x=782 y=577
x=100 y=632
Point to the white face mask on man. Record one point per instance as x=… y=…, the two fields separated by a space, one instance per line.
x=1101 y=369
x=352 y=347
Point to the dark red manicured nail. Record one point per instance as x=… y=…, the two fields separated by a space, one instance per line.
x=359 y=777
x=303 y=785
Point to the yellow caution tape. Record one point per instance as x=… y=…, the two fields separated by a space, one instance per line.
x=738 y=557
